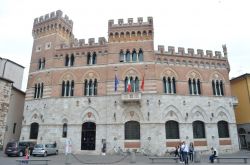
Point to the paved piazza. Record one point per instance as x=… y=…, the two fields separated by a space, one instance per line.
x=115 y=159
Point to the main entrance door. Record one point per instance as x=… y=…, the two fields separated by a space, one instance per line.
x=88 y=136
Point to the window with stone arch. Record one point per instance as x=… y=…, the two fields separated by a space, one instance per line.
x=64 y=130
x=194 y=83
x=172 y=129
x=69 y=60
x=90 y=87
x=38 y=90
x=68 y=88
x=223 y=129
x=169 y=85
x=128 y=56
x=91 y=58
x=131 y=84
x=218 y=87
x=122 y=56
x=134 y=56
x=132 y=130
x=41 y=63
x=140 y=55
x=34 y=129
x=198 y=129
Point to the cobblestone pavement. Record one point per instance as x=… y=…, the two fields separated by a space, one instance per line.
x=117 y=159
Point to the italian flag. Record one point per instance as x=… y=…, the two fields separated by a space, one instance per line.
x=129 y=86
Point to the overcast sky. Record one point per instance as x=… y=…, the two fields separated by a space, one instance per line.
x=198 y=24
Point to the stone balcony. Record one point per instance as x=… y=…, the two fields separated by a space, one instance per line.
x=131 y=97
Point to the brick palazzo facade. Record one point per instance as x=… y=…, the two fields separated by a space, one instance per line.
x=175 y=95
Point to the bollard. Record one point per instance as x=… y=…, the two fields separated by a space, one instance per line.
x=67 y=161
x=132 y=157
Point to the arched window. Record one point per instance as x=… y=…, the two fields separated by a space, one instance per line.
x=38 y=93
x=67 y=60
x=194 y=86
x=95 y=87
x=132 y=82
x=72 y=60
x=198 y=130
x=35 y=91
x=136 y=84
x=126 y=84
x=65 y=130
x=223 y=129
x=140 y=55
x=39 y=64
x=68 y=88
x=88 y=58
x=217 y=86
x=90 y=87
x=34 y=128
x=127 y=56
x=122 y=56
x=164 y=84
x=132 y=130
x=172 y=130
x=94 y=58
x=86 y=88
x=134 y=56
x=169 y=85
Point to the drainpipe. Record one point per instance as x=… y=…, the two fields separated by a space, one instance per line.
x=247 y=89
x=4 y=68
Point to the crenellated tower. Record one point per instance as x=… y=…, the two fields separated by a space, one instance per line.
x=131 y=36
x=49 y=32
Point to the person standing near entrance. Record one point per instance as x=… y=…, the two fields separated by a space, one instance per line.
x=185 y=152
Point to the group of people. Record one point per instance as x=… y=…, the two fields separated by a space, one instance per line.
x=185 y=152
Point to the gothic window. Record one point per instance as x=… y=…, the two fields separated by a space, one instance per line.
x=132 y=130
x=38 y=93
x=94 y=58
x=69 y=60
x=122 y=56
x=90 y=87
x=88 y=59
x=140 y=55
x=172 y=130
x=131 y=84
x=194 y=86
x=72 y=60
x=67 y=88
x=136 y=88
x=41 y=63
x=198 y=130
x=128 y=56
x=169 y=85
x=223 y=129
x=134 y=56
x=65 y=130
x=126 y=84
x=218 y=89
x=91 y=58
x=34 y=128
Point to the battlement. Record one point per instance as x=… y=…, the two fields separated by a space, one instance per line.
x=191 y=52
x=81 y=43
x=131 y=22
x=53 y=15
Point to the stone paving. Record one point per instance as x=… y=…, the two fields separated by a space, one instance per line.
x=117 y=159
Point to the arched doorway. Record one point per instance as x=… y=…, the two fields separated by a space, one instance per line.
x=88 y=136
x=34 y=128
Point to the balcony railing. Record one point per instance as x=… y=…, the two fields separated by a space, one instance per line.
x=131 y=96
